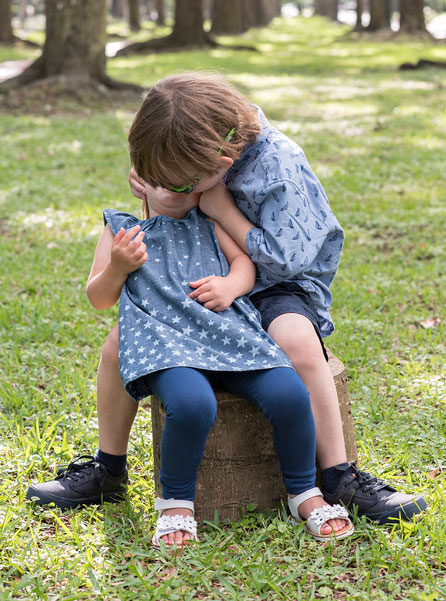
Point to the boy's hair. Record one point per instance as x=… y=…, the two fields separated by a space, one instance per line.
x=182 y=124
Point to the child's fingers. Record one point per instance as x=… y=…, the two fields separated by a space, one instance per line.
x=125 y=240
x=212 y=305
x=200 y=282
x=140 y=249
x=142 y=260
x=119 y=236
x=136 y=242
x=207 y=296
x=203 y=288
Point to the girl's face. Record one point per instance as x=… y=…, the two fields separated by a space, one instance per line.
x=178 y=204
x=173 y=204
x=202 y=185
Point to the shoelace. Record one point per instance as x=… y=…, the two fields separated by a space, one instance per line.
x=367 y=482
x=75 y=470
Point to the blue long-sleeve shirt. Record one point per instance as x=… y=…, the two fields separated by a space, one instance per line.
x=296 y=236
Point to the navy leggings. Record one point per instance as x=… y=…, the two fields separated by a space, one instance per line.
x=191 y=409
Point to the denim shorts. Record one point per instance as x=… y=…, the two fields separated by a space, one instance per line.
x=286 y=297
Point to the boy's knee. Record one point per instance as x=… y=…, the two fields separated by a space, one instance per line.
x=305 y=354
x=110 y=349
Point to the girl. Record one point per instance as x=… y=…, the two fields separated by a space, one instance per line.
x=184 y=325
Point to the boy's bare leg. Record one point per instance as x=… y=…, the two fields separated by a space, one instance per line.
x=295 y=334
x=116 y=409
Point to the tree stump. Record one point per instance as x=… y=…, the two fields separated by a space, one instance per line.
x=240 y=465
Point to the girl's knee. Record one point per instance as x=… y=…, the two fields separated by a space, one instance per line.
x=291 y=400
x=194 y=411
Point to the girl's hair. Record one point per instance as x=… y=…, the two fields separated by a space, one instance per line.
x=179 y=131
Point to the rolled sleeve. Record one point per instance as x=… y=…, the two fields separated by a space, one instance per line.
x=289 y=236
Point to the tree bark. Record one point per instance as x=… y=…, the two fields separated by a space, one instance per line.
x=74 y=45
x=161 y=12
x=359 y=11
x=266 y=11
x=378 y=15
x=188 y=29
x=227 y=17
x=134 y=20
x=412 y=17
x=326 y=8
x=6 y=33
x=119 y=9
x=23 y=4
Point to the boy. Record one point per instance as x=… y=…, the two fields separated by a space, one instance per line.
x=197 y=134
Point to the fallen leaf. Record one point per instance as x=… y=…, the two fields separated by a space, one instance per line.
x=434 y=473
x=431 y=322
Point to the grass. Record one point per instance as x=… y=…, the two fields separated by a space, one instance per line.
x=375 y=137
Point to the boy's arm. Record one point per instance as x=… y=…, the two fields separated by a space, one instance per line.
x=288 y=237
x=115 y=257
x=217 y=293
x=218 y=204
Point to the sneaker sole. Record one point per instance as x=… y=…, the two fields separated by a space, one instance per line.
x=40 y=498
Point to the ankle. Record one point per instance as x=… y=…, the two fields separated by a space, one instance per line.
x=178 y=511
x=114 y=464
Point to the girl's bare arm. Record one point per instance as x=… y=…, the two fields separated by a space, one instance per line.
x=115 y=257
x=217 y=293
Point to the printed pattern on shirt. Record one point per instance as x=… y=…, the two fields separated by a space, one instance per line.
x=296 y=235
x=161 y=327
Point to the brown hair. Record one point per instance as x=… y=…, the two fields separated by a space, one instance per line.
x=181 y=125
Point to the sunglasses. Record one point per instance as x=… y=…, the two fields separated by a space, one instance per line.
x=189 y=189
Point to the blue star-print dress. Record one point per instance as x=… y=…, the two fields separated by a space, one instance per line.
x=161 y=327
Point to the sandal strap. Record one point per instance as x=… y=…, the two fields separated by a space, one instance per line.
x=319 y=516
x=162 y=504
x=167 y=524
x=294 y=503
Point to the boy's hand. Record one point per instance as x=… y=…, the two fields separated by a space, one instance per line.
x=137 y=185
x=214 y=292
x=128 y=251
x=215 y=202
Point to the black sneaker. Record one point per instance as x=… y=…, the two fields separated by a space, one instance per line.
x=373 y=497
x=86 y=483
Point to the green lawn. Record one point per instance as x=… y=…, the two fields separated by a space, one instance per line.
x=376 y=137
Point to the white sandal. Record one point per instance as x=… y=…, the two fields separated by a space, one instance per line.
x=167 y=524
x=319 y=516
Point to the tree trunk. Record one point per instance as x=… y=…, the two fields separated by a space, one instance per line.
x=188 y=29
x=266 y=11
x=23 y=4
x=359 y=11
x=412 y=16
x=74 y=45
x=119 y=9
x=326 y=8
x=226 y=17
x=6 y=33
x=161 y=12
x=378 y=15
x=134 y=21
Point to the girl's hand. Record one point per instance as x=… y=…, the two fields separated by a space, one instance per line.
x=137 y=185
x=128 y=251
x=214 y=292
x=215 y=202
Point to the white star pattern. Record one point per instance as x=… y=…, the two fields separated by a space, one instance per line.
x=187 y=301
x=182 y=330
